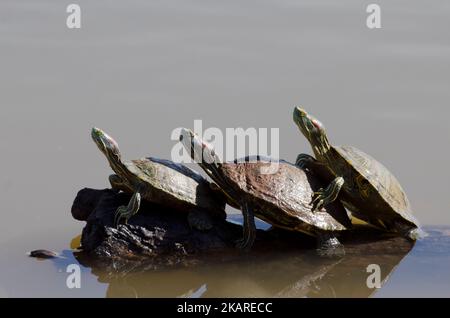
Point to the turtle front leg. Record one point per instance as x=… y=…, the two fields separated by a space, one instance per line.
x=126 y=212
x=249 y=233
x=325 y=196
x=305 y=161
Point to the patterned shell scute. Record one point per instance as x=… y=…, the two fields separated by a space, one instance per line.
x=379 y=178
x=167 y=176
x=289 y=190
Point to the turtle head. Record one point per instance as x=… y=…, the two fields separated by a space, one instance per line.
x=313 y=130
x=106 y=144
x=203 y=154
x=200 y=151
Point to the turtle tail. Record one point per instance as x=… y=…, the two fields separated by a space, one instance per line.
x=416 y=234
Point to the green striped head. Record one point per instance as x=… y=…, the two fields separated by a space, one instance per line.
x=313 y=130
x=107 y=145
x=200 y=151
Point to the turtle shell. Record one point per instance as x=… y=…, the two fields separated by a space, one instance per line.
x=372 y=188
x=283 y=198
x=174 y=185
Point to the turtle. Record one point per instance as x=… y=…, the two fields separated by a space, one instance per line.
x=163 y=182
x=280 y=196
x=365 y=186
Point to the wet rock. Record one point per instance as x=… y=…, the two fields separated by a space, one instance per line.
x=85 y=202
x=159 y=237
x=43 y=254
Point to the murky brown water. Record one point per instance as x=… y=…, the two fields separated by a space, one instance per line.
x=142 y=68
x=416 y=271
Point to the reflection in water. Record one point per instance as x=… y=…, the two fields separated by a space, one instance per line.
x=161 y=67
x=304 y=275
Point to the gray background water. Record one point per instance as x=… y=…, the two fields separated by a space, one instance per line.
x=139 y=69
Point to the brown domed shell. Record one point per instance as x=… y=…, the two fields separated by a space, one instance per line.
x=283 y=198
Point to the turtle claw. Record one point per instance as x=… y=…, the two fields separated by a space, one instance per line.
x=318 y=200
x=116 y=218
x=119 y=215
x=323 y=197
x=243 y=244
x=240 y=243
x=303 y=161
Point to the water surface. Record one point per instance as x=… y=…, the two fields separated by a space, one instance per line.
x=138 y=69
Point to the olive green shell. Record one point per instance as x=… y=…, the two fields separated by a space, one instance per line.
x=174 y=185
x=371 y=189
x=283 y=198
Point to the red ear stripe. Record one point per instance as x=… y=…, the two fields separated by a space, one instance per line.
x=316 y=124
x=114 y=142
